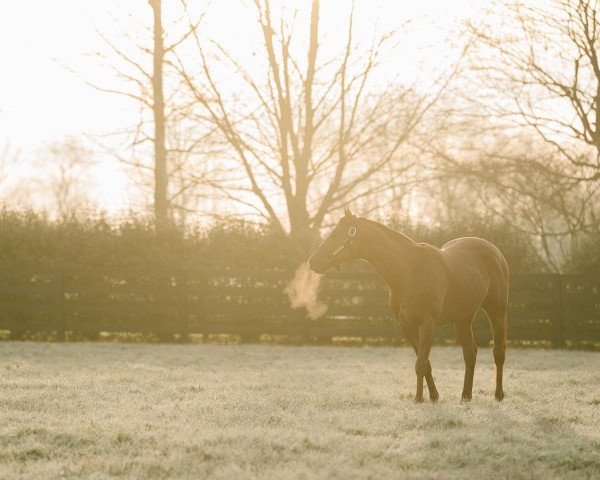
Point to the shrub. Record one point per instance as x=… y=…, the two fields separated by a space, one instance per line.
x=585 y=255
x=515 y=245
x=32 y=239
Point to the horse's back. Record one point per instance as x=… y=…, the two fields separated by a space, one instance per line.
x=474 y=250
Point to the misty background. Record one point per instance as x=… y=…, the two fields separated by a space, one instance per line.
x=443 y=120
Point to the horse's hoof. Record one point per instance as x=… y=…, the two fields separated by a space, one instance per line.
x=419 y=400
x=499 y=396
x=466 y=398
x=435 y=396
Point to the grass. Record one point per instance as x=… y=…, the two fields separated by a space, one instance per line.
x=114 y=410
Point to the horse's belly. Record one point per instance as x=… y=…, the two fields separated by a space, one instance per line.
x=458 y=307
x=445 y=319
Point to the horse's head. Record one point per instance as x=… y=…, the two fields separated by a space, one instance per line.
x=339 y=247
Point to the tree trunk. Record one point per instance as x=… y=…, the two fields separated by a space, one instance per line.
x=299 y=220
x=161 y=180
x=302 y=232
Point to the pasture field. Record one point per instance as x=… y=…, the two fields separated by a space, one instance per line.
x=115 y=410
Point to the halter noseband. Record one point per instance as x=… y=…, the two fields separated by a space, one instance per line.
x=346 y=244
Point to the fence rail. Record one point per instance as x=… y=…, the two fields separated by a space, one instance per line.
x=557 y=309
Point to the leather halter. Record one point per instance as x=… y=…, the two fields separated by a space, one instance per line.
x=346 y=244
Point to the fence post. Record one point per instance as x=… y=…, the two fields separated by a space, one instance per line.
x=184 y=310
x=60 y=291
x=558 y=340
x=197 y=300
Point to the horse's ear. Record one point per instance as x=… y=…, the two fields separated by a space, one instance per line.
x=347 y=212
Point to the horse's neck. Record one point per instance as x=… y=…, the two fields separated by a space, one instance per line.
x=389 y=252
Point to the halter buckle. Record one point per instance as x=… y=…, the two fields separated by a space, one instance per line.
x=346 y=244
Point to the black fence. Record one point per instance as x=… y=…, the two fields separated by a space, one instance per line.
x=557 y=310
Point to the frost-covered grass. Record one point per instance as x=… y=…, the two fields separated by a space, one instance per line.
x=100 y=410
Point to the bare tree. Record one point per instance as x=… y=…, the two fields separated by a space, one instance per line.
x=306 y=132
x=541 y=63
x=521 y=138
x=9 y=156
x=158 y=132
x=485 y=168
x=161 y=180
x=65 y=178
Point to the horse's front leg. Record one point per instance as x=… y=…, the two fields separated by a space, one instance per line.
x=426 y=330
x=411 y=332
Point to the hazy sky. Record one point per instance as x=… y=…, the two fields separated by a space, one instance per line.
x=41 y=101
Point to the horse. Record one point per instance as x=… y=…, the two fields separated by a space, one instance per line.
x=429 y=286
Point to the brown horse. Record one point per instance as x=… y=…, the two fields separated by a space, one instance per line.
x=429 y=286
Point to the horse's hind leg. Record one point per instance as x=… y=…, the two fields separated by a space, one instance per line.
x=499 y=323
x=464 y=334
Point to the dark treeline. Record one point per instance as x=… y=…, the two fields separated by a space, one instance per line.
x=34 y=240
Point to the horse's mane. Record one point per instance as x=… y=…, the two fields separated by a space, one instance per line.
x=394 y=234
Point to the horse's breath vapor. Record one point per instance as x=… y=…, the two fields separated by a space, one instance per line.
x=303 y=291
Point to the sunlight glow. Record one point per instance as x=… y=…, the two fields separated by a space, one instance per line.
x=52 y=46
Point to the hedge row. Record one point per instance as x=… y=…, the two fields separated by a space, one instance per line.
x=32 y=239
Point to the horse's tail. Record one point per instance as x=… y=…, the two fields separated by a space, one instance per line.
x=496 y=302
